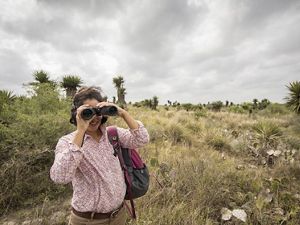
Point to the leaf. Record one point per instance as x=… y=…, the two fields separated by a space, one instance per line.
x=226 y=214
x=240 y=214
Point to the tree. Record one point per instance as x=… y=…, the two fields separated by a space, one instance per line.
x=216 y=106
x=255 y=101
x=154 y=102
x=187 y=106
x=71 y=83
x=293 y=100
x=263 y=104
x=121 y=91
x=42 y=77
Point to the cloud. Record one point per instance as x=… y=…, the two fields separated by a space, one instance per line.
x=189 y=51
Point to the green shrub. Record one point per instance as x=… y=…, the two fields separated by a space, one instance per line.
x=215 y=106
x=217 y=141
x=29 y=131
x=236 y=109
x=267 y=133
x=275 y=109
x=177 y=134
x=25 y=179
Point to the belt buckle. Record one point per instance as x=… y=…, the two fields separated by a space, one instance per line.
x=114 y=213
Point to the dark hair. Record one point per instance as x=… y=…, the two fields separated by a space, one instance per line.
x=85 y=93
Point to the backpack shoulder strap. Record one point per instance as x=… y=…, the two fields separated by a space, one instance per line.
x=112 y=134
x=113 y=137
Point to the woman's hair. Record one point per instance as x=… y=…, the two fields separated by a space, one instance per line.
x=85 y=93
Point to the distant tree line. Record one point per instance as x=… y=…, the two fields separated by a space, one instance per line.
x=70 y=83
x=149 y=103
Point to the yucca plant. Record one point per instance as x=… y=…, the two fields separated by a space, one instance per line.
x=70 y=83
x=121 y=91
x=41 y=77
x=267 y=133
x=155 y=102
x=7 y=96
x=293 y=100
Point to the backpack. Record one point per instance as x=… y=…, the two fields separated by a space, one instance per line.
x=135 y=171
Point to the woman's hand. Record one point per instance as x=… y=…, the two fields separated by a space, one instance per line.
x=120 y=110
x=132 y=124
x=82 y=124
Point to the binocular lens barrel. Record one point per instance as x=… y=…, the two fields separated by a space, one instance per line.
x=88 y=113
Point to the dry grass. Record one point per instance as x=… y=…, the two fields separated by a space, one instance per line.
x=200 y=164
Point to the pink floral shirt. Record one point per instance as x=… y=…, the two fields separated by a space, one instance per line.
x=96 y=175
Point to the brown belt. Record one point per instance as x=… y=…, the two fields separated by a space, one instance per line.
x=95 y=215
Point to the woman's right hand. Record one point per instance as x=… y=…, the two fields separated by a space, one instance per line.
x=82 y=124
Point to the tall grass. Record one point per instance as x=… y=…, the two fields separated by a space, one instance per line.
x=194 y=173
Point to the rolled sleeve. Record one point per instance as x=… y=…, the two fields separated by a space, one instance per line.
x=67 y=158
x=133 y=138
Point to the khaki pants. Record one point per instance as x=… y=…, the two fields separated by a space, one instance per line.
x=120 y=219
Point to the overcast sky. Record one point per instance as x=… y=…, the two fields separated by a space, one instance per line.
x=189 y=51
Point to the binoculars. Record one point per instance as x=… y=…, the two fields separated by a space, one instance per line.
x=88 y=113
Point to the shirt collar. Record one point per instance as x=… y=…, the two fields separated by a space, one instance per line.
x=102 y=127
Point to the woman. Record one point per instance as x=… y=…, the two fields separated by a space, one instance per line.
x=85 y=158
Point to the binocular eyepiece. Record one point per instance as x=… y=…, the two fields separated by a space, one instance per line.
x=88 y=113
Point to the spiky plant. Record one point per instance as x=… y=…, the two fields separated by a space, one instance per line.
x=71 y=83
x=293 y=100
x=267 y=133
x=118 y=81
x=41 y=76
x=255 y=101
x=121 y=91
x=155 y=102
x=6 y=96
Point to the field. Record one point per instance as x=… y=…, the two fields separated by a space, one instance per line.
x=204 y=165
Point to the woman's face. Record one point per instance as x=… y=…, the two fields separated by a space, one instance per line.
x=95 y=123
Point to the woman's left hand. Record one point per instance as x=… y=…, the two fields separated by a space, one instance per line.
x=120 y=110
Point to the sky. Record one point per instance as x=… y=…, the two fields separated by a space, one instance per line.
x=179 y=50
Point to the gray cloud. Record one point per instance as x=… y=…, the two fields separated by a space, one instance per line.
x=190 y=51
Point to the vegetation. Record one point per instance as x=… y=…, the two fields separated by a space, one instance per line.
x=293 y=100
x=121 y=91
x=71 y=83
x=150 y=103
x=204 y=163
x=42 y=77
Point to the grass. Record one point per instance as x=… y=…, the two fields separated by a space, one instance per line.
x=199 y=162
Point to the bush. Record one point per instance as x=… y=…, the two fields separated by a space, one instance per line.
x=275 y=109
x=29 y=131
x=215 y=106
x=236 y=109
x=267 y=133
x=25 y=179
x=217 y=141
